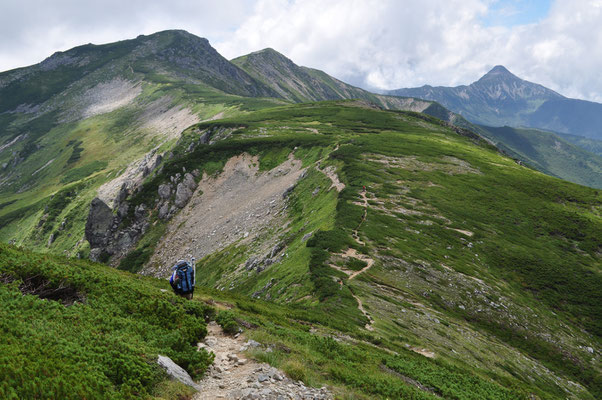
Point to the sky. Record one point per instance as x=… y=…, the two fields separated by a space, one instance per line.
x=374 y=44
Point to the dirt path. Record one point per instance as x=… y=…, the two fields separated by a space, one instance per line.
x=232 y=376
x=369 y=263
x=352 y=252
x=360 y=307
x=364 y=204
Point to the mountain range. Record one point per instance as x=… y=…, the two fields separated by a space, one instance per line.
x=554 y=134
x=500 y=98
x=379 y=246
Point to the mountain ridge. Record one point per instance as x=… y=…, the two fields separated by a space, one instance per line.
x=501 y=98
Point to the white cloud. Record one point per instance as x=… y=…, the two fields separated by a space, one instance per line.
x=31 y=30
x=378 y=44
x=387 y=44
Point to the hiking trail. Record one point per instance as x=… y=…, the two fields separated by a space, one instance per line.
x=352 y=252
x=360 y=307
x=364 y=204
x=234 y=376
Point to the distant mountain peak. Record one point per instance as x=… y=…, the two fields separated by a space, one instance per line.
x=499 y=72
x=267 y=50
x=498 y=98
x=268 y=54
x=499 y=69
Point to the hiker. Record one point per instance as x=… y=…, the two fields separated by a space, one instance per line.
x=183 y=279
x=364 y=187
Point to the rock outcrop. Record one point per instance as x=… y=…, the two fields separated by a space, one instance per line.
x=183 y=194
x=104 y=232
x=176 y=372
x=100 y=219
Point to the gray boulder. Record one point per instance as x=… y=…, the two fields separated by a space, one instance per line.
x=122 y=211
x=164 y=211
x=251 y=263
x=177 y=372
x=189 y=181
x=205 y=137
x=51 y=239
x=288 y=191
x=183 y=194
x=307 y=236
x=122 y=195
x=164 y=191
x=276 y=249
x=140 y=212
x=98 y=225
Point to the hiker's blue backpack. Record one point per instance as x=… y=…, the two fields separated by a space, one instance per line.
x=182 y=279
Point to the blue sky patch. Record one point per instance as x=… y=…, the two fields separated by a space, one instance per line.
x=511 y=13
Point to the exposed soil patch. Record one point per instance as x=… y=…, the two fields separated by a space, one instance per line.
x=233 y=376
x=462 y=231
x=236 y=205
x=162 y=117
x=332 y=175
x=449 y=165
x=424 y=352
x=109 y=96
x=216 y=116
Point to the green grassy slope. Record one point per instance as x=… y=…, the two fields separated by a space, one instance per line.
x=591 y=145
x=550 y=153
x=104 y=345
x=50 y=142
x=478 y=261
x=72 y=329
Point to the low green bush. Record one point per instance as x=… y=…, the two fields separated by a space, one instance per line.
x=227 y=321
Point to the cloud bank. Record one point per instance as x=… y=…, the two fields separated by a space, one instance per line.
x=389 y=44
x=375 y=44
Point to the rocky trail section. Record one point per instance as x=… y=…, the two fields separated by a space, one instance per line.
x=330 y=172
x=233 y=376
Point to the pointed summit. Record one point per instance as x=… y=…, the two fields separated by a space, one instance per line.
x=496 y=99
x=499 y=72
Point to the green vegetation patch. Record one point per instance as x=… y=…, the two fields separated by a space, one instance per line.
x=83 y=172
x=104 y=345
